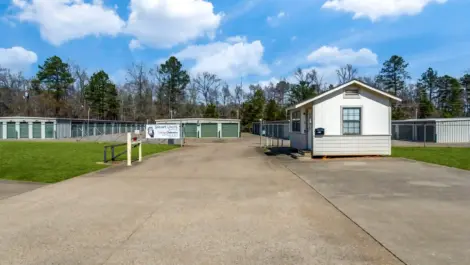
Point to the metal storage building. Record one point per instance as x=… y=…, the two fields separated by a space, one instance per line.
x=453 y=130
x=207 y=128
x=277 y=129
x=58 y=128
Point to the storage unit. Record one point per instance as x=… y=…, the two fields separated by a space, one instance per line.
x=190 y=130
x=209 y=130
x=49 y=130
x=206 y=127
x=37 y=130
x=57 y=128
x=11 y=130
x=230 y=130
x=24 y=130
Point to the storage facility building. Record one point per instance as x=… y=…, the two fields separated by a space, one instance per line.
x=276 y=129
x=58 y=128
x=454 y=130
x=207 y=128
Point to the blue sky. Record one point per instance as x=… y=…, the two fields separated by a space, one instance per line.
x=257 y=40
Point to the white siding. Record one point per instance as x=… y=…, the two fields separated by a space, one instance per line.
x=298 y=141
x=375 y=112
x=352 y=145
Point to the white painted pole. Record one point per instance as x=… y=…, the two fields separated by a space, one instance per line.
x=129 y=149
x=140 y=151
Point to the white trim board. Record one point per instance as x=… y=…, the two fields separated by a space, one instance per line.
x=353 y=82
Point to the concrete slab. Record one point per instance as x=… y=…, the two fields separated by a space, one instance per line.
x=208 y=204
x=10 y=188
x=418 y=211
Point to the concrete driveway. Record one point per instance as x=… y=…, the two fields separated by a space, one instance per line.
x=9 y=188
x=219 y=203
x=420 y=212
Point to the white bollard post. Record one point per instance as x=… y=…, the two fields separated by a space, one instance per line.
x=129 y=149
x=140 y=152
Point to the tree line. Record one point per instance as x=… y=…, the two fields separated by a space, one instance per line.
x=63 y=89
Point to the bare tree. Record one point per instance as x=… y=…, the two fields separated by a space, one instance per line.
x=226 y=95
x=138 y=83
x=238 y=97
x=208 y=85
x=346 y=73
x=281 y=91
x=311 y=79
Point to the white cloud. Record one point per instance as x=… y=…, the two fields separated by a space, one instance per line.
x=17 y=58
x=327 y=55
x=135 y=44
x=165 y=23
x=236 y=39
x=63 y=20
x=375 y=9
x=275 y=20
x=227 y=60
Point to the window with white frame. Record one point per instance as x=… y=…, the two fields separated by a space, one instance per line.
x=296 y=121
x=352 y=121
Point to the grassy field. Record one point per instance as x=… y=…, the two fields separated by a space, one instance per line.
x=447 y=156
x=51 y=162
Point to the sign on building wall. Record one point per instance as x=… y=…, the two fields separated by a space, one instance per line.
x=163 y=131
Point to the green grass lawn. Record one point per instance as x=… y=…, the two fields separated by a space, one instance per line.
x=51 y=162
x=447 y=156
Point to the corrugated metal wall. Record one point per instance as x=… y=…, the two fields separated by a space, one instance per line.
x=453 y=131
x=438 y=131
x=63 y=129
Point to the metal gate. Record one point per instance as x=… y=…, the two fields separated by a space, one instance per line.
x=190 y=130
x=209 y=130
x=230 y=130
x=37 y=130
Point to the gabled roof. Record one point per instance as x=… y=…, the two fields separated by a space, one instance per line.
x=352 y=82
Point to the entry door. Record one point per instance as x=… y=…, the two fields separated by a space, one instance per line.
x=310 y=129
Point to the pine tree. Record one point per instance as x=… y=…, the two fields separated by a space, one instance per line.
x=450 y=97
x=393 y=75
x=429 y=82
x=173 y=81
x=211 y=111
x=101 y=95
x=392 y=79
x=426 y=108
x=253 y=108
x=57 y=78
x=272 y=110
x=465 y=81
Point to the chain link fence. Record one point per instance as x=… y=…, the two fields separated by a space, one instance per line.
x=431 y=133
x=272 y=134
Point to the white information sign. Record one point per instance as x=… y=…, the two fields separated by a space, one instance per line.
x=163 y=131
